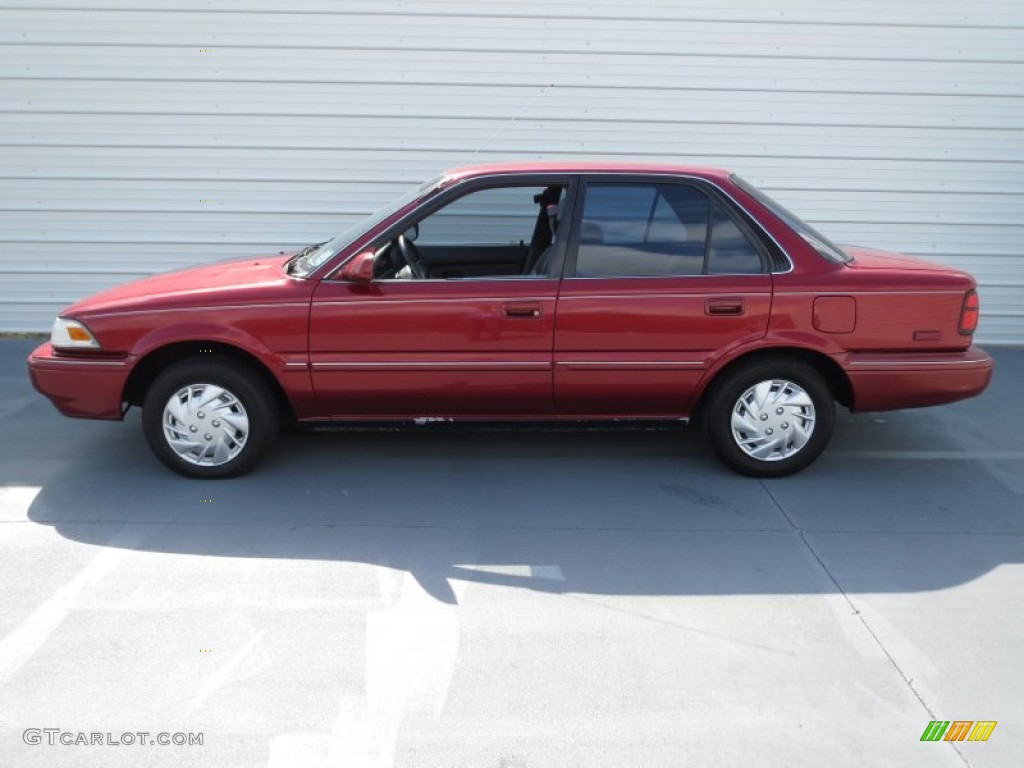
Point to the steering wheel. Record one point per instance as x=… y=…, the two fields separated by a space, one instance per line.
x=412 y=256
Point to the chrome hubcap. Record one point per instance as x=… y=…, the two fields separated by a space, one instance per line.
x=773 y=420
x=205 y=424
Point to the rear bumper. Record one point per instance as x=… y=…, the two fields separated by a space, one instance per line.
x=86 y=389
x=883 y=382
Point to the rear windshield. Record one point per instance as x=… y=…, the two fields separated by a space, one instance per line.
x=825 y=247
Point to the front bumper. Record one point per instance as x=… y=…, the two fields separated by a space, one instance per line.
x=884 y=381
x=79 y=386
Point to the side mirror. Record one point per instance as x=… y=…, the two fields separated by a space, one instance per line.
x=359 y=269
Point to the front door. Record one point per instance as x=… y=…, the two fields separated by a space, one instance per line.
x=453 y=324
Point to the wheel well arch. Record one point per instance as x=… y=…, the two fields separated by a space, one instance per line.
x=156 y=360
x=836 y=378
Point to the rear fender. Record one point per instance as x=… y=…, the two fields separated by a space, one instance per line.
x=800 y=344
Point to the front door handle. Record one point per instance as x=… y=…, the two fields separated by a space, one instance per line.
x=521 y=309
x=723 y=307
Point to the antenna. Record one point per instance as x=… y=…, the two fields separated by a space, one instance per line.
x=509 y=122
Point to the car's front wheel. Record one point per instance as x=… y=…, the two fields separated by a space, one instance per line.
x=770 y=418
x=209 y=418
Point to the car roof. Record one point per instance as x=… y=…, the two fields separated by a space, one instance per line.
x=582 y=166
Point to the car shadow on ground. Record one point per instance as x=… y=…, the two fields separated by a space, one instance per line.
x=587 y=511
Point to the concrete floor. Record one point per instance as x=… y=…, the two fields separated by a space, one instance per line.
x=496 y=598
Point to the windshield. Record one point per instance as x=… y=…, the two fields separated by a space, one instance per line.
x=309 y=258
x=825 y=247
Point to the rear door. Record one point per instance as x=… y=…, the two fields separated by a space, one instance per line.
x=661 y=279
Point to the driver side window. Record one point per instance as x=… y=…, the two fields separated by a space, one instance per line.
x=494 y=232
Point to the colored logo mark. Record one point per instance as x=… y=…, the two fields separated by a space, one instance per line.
x=958 y=730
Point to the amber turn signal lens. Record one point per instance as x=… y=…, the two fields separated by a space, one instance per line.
x=78 y=334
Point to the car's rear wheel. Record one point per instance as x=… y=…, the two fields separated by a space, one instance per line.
x=770 y=418
x=209 y=418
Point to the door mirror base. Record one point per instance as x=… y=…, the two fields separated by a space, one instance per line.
x=359 y=269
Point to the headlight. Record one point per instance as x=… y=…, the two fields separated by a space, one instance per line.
x=71 y=334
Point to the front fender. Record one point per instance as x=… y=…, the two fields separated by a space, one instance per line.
x=198 y=332
x=289 y=370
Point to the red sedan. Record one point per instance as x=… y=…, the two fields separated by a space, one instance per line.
x=529 y=292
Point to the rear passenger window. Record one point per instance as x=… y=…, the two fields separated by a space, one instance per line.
x=730 y=252
x=633 y=230
x=620 y=210
x=649 y=230
x=665 y=225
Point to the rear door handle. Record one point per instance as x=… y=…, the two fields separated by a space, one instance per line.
x=723 y=307
x=525 y=309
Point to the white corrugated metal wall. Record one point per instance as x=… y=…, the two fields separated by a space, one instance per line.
x=137 y=137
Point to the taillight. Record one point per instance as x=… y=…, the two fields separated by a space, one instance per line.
x=969 y=313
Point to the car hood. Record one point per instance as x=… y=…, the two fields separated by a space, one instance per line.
x=238 y=279
x=871 y=258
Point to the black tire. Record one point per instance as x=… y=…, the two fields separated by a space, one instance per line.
x=784 y=455
x=247 y=399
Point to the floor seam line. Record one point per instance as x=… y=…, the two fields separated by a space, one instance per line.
x=860 y=616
